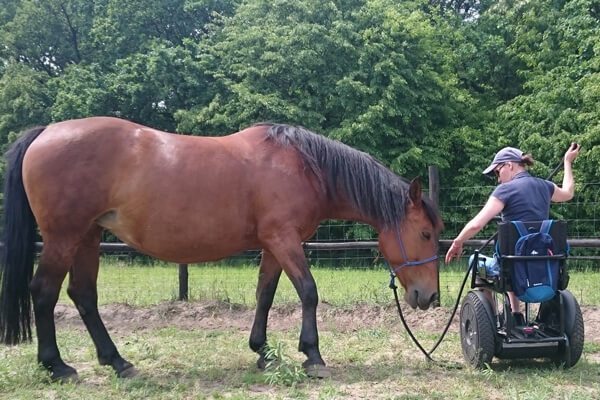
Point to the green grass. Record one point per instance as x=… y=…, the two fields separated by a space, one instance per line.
x=143 y=285
x=179 y=364
x=375 y=361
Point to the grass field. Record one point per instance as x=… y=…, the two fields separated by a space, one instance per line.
x=143 y=285
x=207 y=356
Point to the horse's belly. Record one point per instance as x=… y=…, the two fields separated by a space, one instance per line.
x=193 y=253
x=181 y=242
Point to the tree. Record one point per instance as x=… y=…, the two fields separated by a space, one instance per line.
x=373 y=73
x=559 y=46
x=24 y=101
x=105 y=57
x=48 y=35
x=557 y=49
x=273 y=61
x=129 y=27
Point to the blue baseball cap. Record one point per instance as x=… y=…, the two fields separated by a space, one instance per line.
x=507 y=154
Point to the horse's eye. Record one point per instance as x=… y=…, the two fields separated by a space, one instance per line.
x=426 y=235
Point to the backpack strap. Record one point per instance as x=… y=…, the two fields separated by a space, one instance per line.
x=520 y=227
x=546 y=226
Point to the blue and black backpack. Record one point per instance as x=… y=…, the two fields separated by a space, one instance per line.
x=534 y=281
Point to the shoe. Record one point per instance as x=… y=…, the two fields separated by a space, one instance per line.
x=518 y=318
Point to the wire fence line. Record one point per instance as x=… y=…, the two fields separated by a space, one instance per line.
x=582 y=213
x=346 y=244
x=352 y=244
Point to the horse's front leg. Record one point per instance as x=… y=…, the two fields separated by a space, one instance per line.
x=268 y=278
x=309 y=336
x=290 y=255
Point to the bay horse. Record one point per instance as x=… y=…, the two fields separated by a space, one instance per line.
x=189 y=199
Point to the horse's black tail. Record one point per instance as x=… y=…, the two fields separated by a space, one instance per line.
x=18 y=250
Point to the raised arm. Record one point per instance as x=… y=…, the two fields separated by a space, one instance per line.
x=566 y=192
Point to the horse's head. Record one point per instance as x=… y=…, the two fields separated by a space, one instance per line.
x=411 y=249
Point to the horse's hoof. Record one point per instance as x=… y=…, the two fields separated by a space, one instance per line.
x=319 y=371
x=129 y=372
x=70 y=377
x=263 y=364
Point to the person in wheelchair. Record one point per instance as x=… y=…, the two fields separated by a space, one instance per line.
x=519 y=196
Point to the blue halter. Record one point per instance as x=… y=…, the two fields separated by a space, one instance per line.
x=407 y=263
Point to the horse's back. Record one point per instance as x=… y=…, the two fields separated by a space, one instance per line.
x=172 y=196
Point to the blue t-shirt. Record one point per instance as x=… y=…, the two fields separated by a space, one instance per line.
x=525 y=198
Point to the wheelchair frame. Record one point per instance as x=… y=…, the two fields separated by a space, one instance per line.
x=556 y=332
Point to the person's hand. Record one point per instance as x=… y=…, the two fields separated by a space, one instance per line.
x=454 y=251
x=572 y=152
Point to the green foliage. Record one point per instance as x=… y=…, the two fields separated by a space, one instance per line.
x=280 y=370
x=559 y=47
x=131 y=27
x=24 y=101
x=80 y=92
x=405 y=92
x=373 y=74
x=414 y=83
x=275 y=61
x=48 y=35
x=78 y=58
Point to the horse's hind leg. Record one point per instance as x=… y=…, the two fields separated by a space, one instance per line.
x=53 y=265
x=268 y=278
x=83 y=291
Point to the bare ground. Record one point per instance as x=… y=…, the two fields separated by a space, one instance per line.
x=122 y=318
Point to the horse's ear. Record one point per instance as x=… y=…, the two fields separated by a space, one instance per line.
x=415 y=192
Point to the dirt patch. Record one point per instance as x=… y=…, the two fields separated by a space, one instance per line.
x=122 y=318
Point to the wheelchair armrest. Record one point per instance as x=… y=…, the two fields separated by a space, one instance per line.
x=552 y=257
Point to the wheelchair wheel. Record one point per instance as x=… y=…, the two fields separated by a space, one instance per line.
x=549 y=315
x=477 y=331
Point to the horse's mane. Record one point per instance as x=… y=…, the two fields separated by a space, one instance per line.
x=371 y=188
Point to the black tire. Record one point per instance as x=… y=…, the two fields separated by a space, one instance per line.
x=568 y=355
x=476 y=331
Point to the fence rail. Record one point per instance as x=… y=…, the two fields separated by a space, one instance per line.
x=122 y=248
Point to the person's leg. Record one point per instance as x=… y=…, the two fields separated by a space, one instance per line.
x=515 y=304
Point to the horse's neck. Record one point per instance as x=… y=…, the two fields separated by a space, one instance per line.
x=344 y=210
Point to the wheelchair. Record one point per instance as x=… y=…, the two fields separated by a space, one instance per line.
x=552 y=329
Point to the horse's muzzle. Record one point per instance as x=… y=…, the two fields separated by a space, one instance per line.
x=415 y=299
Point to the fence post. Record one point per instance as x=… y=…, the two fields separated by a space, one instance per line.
x=183 y=282
x=434 y=185
x=434 y=196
